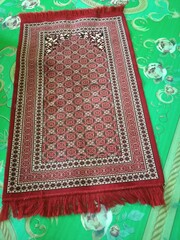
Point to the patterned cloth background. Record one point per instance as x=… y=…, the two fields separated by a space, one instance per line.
x=154 y=27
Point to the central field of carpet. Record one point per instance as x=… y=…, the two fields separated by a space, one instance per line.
x=80 y=132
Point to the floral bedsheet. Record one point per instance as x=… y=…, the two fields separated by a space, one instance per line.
x=154 y=27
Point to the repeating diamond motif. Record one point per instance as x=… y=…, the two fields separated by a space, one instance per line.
x=78 y=108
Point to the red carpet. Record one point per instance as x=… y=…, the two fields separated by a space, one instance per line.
x=80 y=132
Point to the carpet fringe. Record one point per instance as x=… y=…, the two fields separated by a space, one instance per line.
x=80 y=203
x=69 y=14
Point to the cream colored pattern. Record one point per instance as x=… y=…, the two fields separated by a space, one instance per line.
x=158 y=216
x=169 y=189
x=141 y=7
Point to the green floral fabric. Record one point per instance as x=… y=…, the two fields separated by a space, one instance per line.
x=154 y=27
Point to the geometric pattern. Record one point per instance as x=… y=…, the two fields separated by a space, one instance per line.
x=82 y=114
x=79 y=122
x=78 y=108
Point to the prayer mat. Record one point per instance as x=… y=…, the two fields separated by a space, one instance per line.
x=80 y=133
